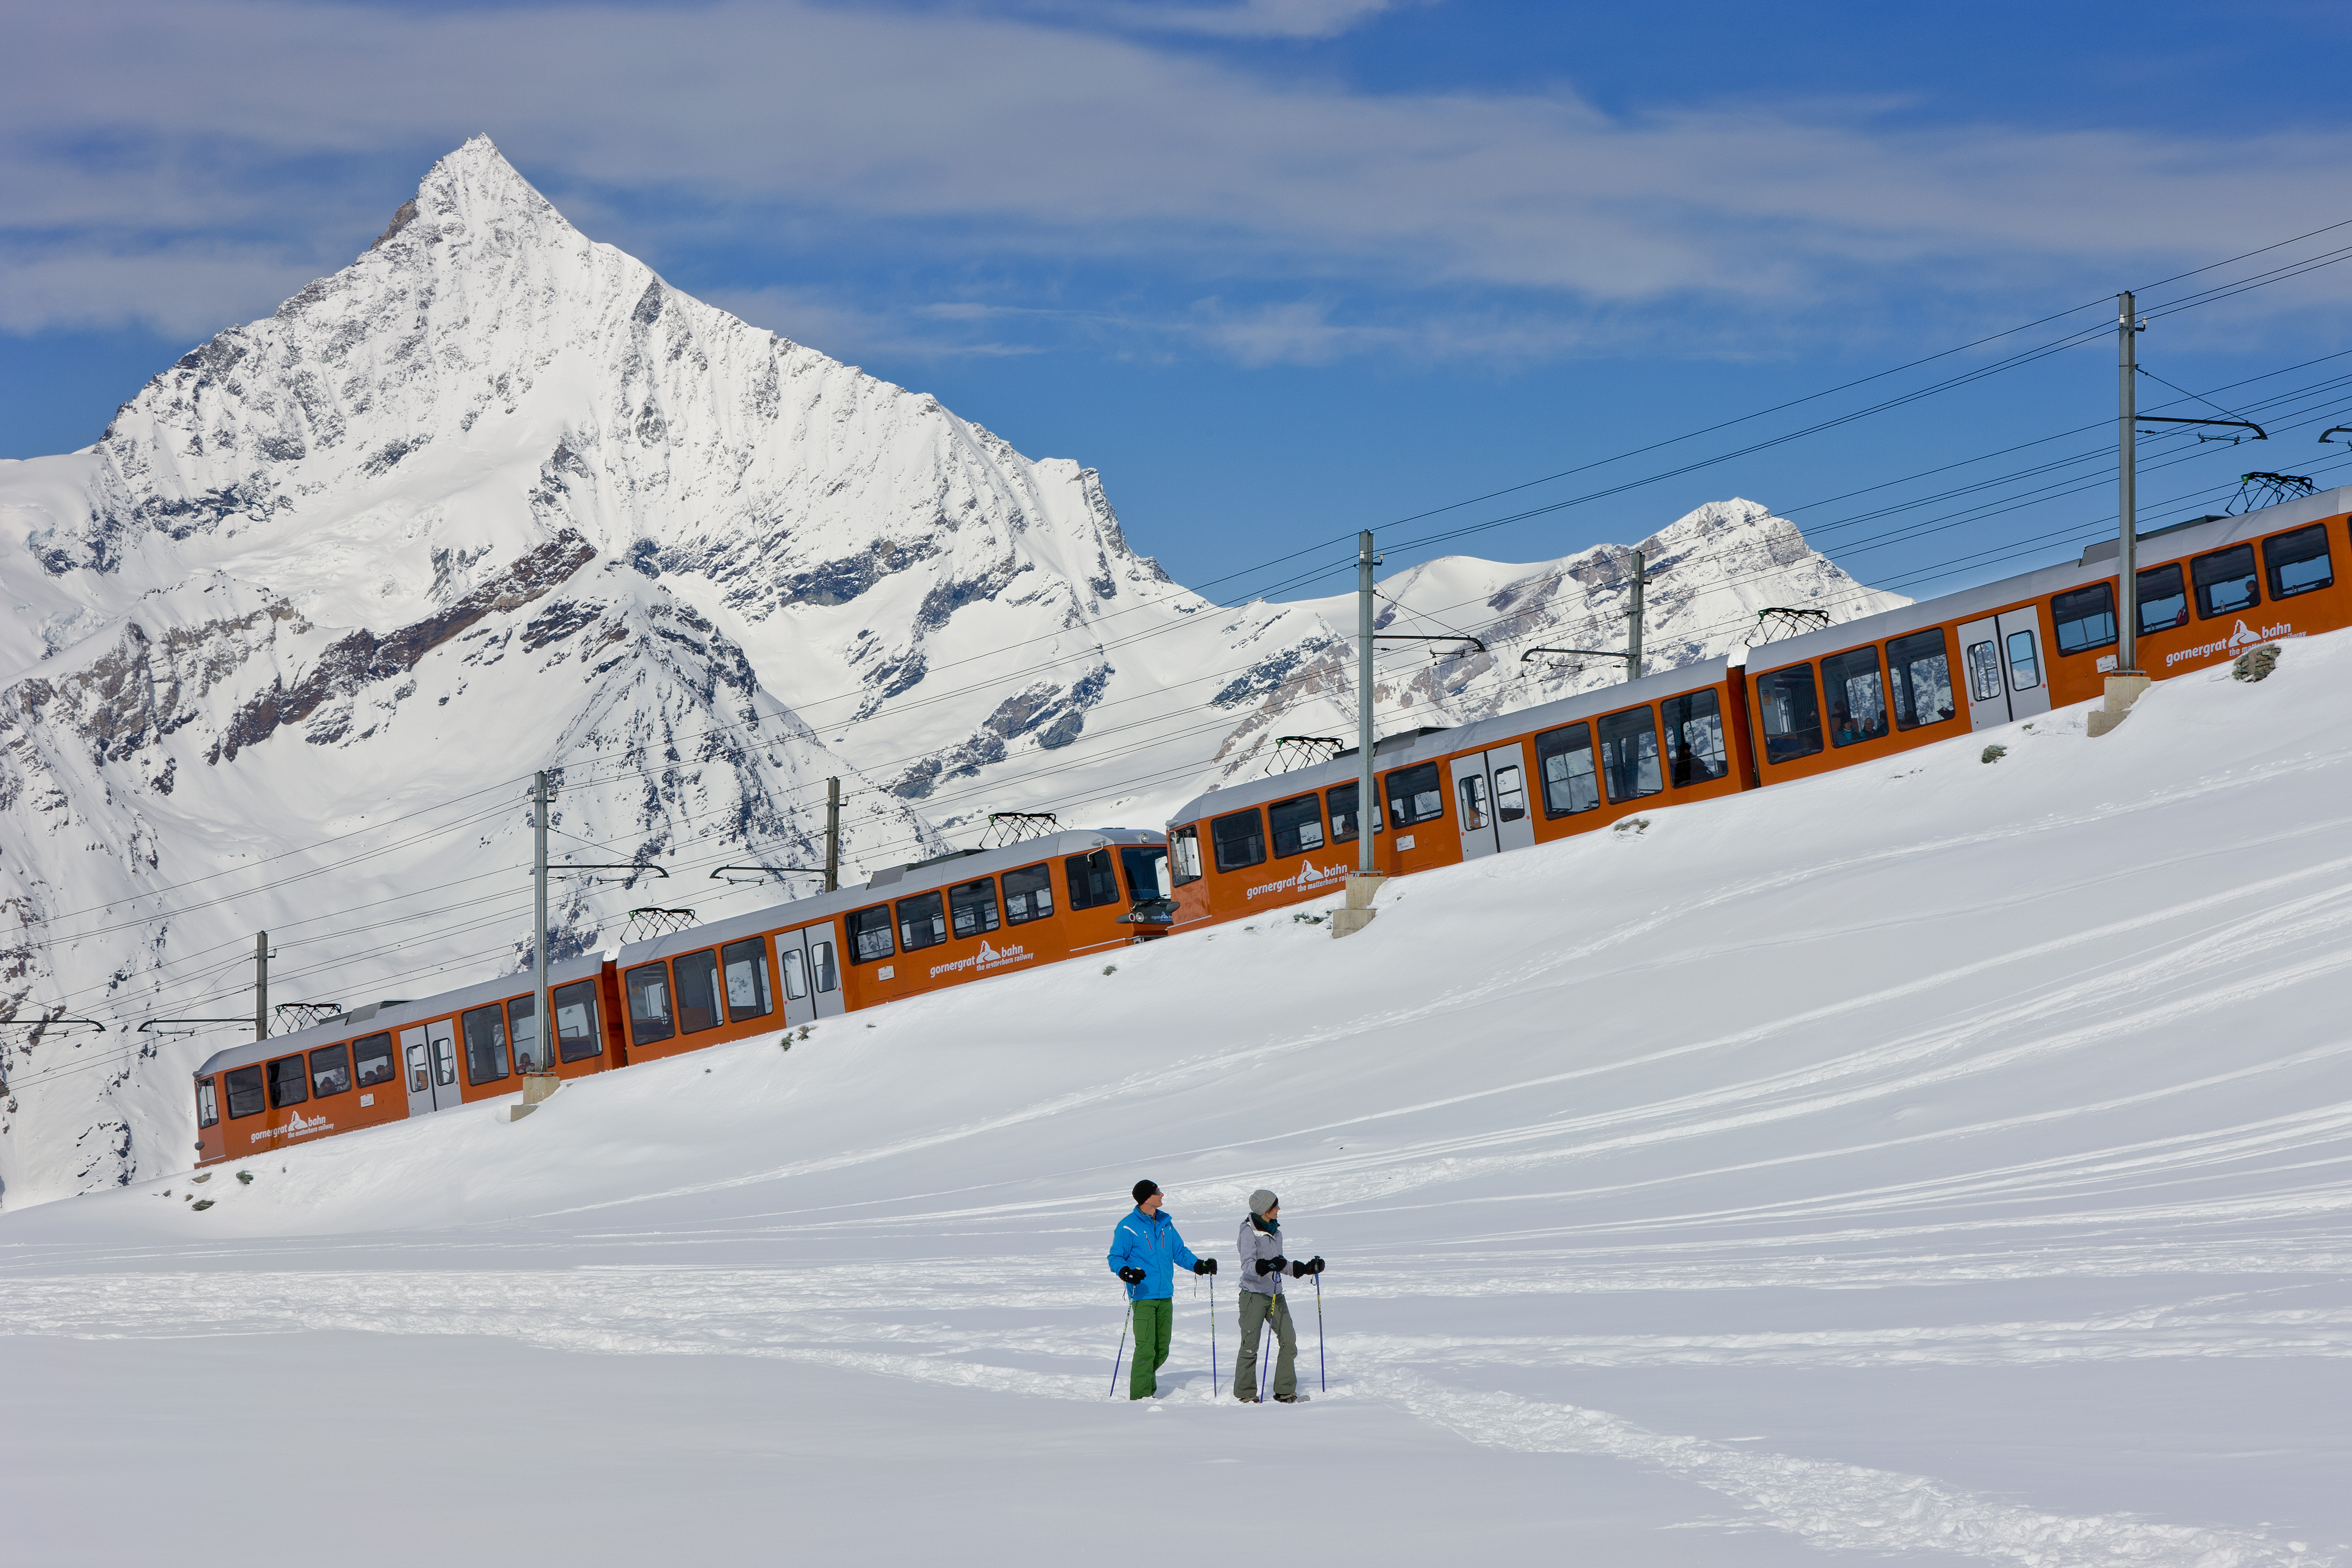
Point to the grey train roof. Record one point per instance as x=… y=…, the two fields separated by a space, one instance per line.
x=894 y=882
x=2097 y=563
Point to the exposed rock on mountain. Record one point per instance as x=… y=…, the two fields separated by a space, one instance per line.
x=291 y=638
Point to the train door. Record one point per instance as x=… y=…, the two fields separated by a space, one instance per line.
x=1475 y=793
x=441 y=1045
x=2002 y=660
x=811 y=975
x=416 y=1069
x=1491 y=789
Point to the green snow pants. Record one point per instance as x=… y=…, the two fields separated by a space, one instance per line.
x=1153 y=1321
x=1255 y=1309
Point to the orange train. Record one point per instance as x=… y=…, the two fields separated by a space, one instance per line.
x=910 y=930
x=1850 y=693
x=1857 y=692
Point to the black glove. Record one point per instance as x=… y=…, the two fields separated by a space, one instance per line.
x=1301 y=1271
x=1271 y=1265
x=1206 y=1266
x=1132 y=1276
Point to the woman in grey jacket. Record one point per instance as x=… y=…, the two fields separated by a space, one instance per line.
x=1262 y=1265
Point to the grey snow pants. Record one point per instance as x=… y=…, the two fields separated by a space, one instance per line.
x=1256 y=1307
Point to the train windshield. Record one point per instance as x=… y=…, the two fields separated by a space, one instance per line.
x=1145 y=866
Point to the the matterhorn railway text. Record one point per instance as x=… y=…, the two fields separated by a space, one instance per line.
x=1856 y=694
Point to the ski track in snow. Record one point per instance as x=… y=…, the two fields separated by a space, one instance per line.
x=2093 y=1120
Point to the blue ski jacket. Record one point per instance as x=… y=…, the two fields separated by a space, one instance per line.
x=1149 y=1242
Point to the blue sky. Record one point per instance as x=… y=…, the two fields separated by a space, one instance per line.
x=1286 y=268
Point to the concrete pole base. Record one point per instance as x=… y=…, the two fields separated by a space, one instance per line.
x=2123 y=690
x=538 y=1085
x=1358 y=912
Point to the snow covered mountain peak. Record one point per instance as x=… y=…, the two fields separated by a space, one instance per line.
x=495 y=498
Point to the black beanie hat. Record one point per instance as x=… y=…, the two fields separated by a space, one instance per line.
x=1144 y=1190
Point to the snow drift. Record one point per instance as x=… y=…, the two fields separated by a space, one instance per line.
x=1945 y=1160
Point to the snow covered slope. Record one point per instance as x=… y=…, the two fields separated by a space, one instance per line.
x=1944 y=1161
x=496 y=498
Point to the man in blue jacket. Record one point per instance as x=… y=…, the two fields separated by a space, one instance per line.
x=1144 y=1252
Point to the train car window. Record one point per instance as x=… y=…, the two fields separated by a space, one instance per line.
x=207 y=1104
x=2163 y=600
x=1343 y=814
x=746 y=966
x=1093 y=881
x=2083 y=617
x=1472 y=787
x=1922 y=677
x=1146 y=867
x=649 y=1017
x=795 y=975
x=246 y=1095
x=1564 y=762
x=972 y=907
x=696 y=976
x=1297 y=826
x=869 y=934
x=444 y=1053
x=1857 y=698
x=1629 y=754
x=2297 y=562
x=828 y=974
x=1416 y=795
x=287 y=1084
x=2225 y=582
x=372 y=1057
x=417 y=1082
x=486 y=1044
x=330 y=1070
x=1239 y=840
x=522 y=1028
x=1694 y=753
x=922 y=922
x=576 y=1036
x=1029 y=893
x=1510 y=794
x=2024 y=664
x=1790 y=713
x=1183 y=852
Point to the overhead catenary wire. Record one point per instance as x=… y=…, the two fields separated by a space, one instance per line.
x=2219 y=291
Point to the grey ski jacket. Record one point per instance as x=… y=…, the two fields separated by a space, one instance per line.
x=1254 y=1244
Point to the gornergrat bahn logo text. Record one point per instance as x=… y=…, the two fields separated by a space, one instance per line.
x=1307 y=876
x=989 y=957
x=295 y=1129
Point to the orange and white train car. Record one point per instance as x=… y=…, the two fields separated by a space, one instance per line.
x=1448 y=796
x=910 y=930
x=2206 y=591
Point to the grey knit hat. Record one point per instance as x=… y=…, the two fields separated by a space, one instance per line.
x=1261 y=1201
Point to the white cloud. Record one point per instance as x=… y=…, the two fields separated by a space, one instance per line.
x=234 y=129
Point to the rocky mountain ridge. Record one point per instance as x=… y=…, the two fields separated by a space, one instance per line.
x=291 y=638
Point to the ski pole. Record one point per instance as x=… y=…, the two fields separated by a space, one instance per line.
x=1122 y=1347
x=1213 y=1338
x=1265 y=1348
x=1321 y=1370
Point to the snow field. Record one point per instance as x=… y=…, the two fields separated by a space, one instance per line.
x=1941 y=1160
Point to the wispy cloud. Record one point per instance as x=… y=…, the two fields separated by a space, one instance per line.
x=262 y=140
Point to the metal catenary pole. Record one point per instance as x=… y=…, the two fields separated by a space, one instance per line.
x=261 y=985
x=1365 y=800
x=543 y=1019
x=832 y=836
x=1633 y=618
x=2127 y=488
